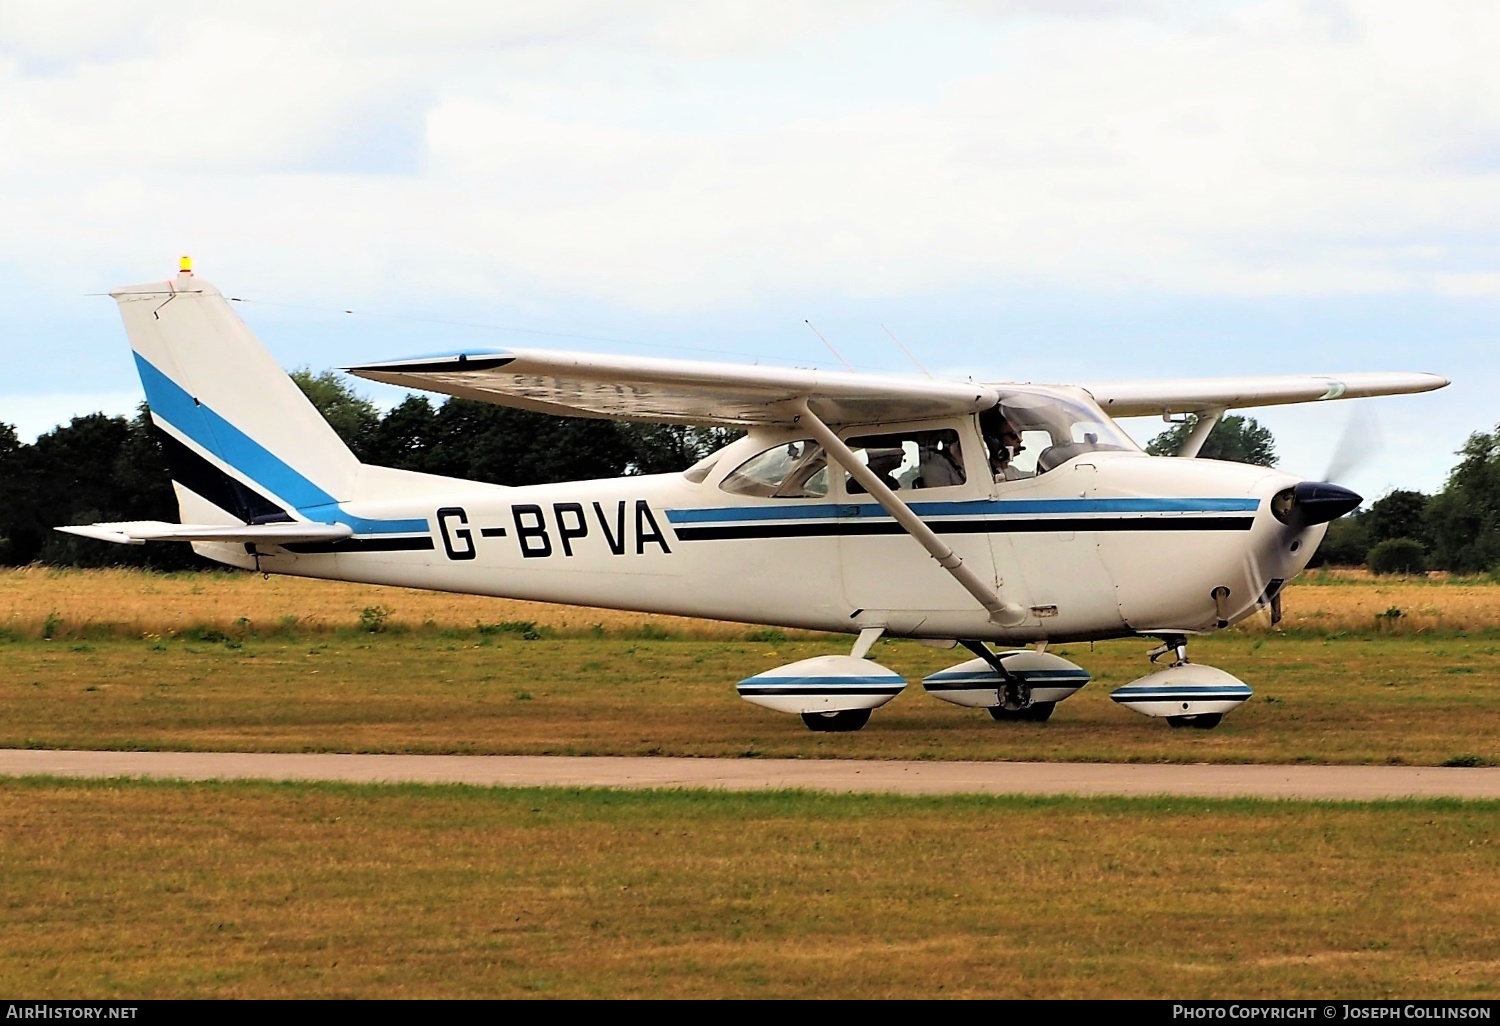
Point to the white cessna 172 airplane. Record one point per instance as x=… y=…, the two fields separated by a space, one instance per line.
x=957 y=513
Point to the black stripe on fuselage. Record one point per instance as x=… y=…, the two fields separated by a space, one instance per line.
x=848 y=528
x=375 y=544
x=202 y=478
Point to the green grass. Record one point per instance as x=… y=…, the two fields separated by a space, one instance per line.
x=121 y=890
x=1415 y=699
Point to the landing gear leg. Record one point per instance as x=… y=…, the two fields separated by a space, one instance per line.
x=1176 y=644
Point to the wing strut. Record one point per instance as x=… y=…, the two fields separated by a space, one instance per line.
x=1006 y=614
x=1201 y=430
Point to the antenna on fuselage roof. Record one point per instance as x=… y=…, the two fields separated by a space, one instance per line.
x=829 y=344
x=905 y=350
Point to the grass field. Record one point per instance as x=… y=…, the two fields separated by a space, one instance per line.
x=129 y=889
x=1415 y=699
x=123 y=659
x=250 y=890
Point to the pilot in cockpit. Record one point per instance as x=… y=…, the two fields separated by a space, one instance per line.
x=1004 y=444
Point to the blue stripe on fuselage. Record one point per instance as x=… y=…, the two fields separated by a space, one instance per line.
x=978 y=507
x=170 y=402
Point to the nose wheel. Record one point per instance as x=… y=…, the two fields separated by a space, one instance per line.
x=1185 y=694
x=1203 y=721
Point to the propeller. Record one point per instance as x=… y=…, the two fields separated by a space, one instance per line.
x=1318 y=502
x=1358 y=443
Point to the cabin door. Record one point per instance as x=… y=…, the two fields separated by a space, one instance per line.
x=939 y=471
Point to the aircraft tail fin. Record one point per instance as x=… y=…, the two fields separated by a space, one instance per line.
x=237 y=431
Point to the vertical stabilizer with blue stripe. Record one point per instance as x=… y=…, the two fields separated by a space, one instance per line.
x=238 y=432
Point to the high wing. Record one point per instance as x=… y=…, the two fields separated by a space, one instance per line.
x=677 y=391
x=139 y=532
x=739 y=395
x=1195 y=395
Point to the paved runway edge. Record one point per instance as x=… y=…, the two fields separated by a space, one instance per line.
x=890 y=777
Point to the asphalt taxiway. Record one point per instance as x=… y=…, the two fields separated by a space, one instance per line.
x=833 y=775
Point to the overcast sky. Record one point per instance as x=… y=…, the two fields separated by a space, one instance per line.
x=1028 y=190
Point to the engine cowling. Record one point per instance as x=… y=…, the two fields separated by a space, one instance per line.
x=830 y=683
x=976 y=684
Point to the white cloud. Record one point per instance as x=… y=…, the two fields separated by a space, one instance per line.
x=682 y=156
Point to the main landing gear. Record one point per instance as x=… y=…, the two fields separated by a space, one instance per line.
x=1015 y=686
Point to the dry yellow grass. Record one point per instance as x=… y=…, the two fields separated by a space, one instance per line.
x=119 y=890
x=1353 y=600
x=133 y=602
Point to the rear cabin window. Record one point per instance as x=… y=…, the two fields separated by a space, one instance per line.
x=698 y=472
x=792 y=470
x=909 y=460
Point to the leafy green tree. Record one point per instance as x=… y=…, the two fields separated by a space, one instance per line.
x=484 y=442
x=669 y=448
x=1398 y=556
x=352 y=416
x=93 y=468
x=1234 y=438
x=405 y=434
x=1398 y=514
x=1346 y=543
x=11 y=499
x=1464 y=518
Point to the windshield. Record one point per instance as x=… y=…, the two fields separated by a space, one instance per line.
x=1029 y=433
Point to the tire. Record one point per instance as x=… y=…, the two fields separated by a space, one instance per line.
x=1036 y=712
x=843 y=721
x=1040 y=712
x=1202 y=721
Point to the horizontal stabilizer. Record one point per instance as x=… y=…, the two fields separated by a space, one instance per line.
x=138 y=532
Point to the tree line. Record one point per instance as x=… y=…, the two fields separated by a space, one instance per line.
x=101 y=468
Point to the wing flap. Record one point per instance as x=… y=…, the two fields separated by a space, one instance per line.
x=139 y=532
x=676 y=391
x=1194 y=395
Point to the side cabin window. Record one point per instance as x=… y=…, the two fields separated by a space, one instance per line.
x=792 y=470
x=908 y=460
x=1030 y=433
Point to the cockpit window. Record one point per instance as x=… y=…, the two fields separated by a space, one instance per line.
x=1030 y=433
x=909 y=459
x=792 y=470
